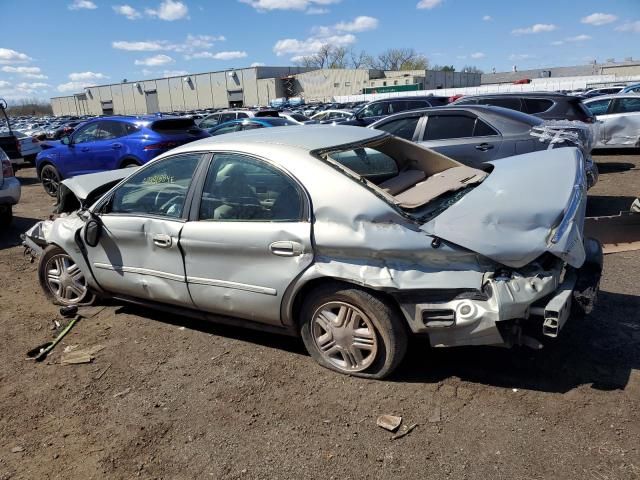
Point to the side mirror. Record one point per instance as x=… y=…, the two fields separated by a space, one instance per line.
x=92 y=232
x=66 y=140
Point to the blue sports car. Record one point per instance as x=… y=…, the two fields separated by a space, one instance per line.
x=109 y=143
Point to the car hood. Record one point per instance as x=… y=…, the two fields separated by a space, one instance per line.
x=529 y=204
x=82 y=186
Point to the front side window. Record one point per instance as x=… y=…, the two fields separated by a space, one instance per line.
x=598 y=107
x=210 y=121
x=402 y=127
x=159 y=189
x=226 y=129
x=225 y=117
x=240 y=188
x=251 y=126
x=86 y=134
x=504 y=102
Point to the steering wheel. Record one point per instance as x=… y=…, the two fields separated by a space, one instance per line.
x=168 y=189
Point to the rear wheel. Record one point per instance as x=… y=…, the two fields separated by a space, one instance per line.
x=129 y=163
x=61 y=278
x=50 y=179
x=352 y=331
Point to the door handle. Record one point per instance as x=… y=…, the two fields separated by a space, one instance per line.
x=115 y=146
x=162 y=240
x=286 y=249
x=483 y=147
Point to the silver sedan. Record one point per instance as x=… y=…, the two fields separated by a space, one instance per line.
x=349 y=237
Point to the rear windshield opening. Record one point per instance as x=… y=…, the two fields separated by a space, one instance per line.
x=408 y=175
x=174 y=125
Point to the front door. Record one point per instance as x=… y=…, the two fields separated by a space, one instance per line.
x=249 y=239
x=78 y=158
x=138 y=254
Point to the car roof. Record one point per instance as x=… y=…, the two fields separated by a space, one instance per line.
x=306 y=137
x=612 y=96
x=520 y=94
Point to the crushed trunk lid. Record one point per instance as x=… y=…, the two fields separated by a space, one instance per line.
x=529 y=204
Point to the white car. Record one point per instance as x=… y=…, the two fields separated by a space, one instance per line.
x=332 y=116
x=9 y=189
x=620 y=117
x=29 y=146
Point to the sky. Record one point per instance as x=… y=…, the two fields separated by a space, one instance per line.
x=57 y=47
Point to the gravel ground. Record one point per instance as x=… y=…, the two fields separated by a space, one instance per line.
x=169 y=398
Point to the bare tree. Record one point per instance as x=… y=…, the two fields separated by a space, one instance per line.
x=400 y=59
x=337 y=58
x=444 y=68
x=326 y=57
x=360 y=59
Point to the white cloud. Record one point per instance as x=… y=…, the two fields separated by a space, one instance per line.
x=310 y=46
x=428 y=4
x=537 y=28
x=86 y=76
x=338 y=35
x=487 y=18
x=627 y=27
x=28 y=72
x=521 y=56
x=4 y=84
x=311 y=7
x=82 y=5
x=232 y=55
x=598 y=19
x=155 y=61
x=359 y=24
x=11 y=56
x=169 y=10
x=578 y=38
x=127 y=11
x=30 y=88
x=478 y=55
x=257 y=64
x=73 y=86
x=150 y=46
x=191 y=44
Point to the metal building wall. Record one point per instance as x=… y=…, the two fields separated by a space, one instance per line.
x=323 y=85
x=219 y=89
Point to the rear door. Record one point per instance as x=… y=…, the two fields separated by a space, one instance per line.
x=108 y=147
x=461 y=136
x=248 y=238
x=622 y=122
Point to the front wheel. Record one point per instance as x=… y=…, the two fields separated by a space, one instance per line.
x=61 y=278
x=50 y=179
x=351 y=331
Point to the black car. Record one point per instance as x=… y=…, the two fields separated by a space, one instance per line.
x=374 y=111
x=548 y=106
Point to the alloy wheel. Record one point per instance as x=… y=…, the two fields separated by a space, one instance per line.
x=344 y=336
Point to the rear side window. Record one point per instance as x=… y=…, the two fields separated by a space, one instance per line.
x=251 y=126
x=397 y=106
x=225 y=117
x=227 y=129
x=402 y=127
x=598 y=107
x=375 y=110
x=537 y=105
x=442 y=127
x=173 y=125
x=242 y=115
x=626 y=105
x=483 y=130
x=109 y=129
x=414 y=104
x=504 y=102
x=131 y=128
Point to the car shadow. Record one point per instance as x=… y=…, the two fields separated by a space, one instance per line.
x=265 y=339
x=615 y=151
x=27 y=176
x=602 y=205
x=614 y=167
x=599 y=350
x=10 y=236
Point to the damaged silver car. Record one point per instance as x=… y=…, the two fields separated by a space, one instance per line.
x=349 y=237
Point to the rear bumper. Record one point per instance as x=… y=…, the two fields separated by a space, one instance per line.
x=10 y=191
x=546 y=297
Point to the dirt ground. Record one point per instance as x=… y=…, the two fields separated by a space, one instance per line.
x=170 y=398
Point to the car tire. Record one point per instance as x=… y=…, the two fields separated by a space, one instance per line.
x=129 y=163
x=61 y=280
x=50 y=178
x=353 y=331
x=6 y=215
